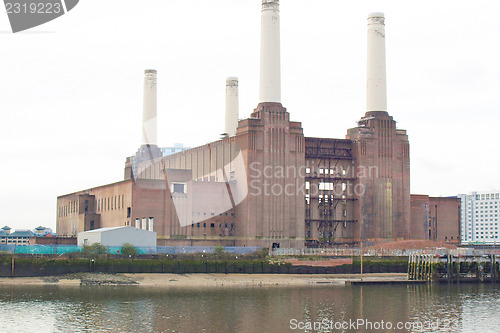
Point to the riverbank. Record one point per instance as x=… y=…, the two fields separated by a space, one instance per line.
x=167 y=280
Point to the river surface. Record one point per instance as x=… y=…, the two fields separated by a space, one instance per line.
x=435 y=308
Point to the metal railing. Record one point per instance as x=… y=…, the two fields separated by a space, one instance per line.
x=348 y=252
x=62 y=249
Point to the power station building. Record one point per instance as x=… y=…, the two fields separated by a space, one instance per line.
x=264 y=183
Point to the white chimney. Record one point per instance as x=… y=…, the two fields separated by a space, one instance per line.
x=232 y=105
x=270 y=72
x=376 y=91
x=149 y=108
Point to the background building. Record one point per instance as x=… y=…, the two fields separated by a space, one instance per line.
x=479 y=217
x=18 y=237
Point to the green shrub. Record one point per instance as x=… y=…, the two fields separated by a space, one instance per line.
x=129 y=250
x=218 y=250
x=96 y=248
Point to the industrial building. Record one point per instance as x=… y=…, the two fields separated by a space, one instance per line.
x=480 y=218
x=435 y=218
x=264 y=183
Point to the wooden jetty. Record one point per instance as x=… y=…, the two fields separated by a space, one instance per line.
x=454 y=268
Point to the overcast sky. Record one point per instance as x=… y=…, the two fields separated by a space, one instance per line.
x=71 y=89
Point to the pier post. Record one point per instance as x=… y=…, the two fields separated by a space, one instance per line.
x=449 y=263
x=480 y=270
x=493 y=268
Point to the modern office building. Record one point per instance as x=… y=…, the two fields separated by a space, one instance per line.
x=480 y=218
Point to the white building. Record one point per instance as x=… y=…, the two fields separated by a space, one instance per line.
x=480 y=218
x=117 y=236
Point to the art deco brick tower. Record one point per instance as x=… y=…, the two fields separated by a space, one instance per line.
x=382 y=153
x=273 y=148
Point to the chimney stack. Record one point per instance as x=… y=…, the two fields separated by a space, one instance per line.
x=232 y=105
x=270 y=71
x=376 y=91
x=149 y=108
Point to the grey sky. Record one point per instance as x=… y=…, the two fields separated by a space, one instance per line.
x=71 y=90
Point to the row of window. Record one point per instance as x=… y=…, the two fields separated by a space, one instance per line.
x=14 y=240
x=323 y=186
x=111 y=203
x=323 y=171
x=70 y=207
x=212 y=214
x=145 y=223
x=488 y=196
x=212 y=225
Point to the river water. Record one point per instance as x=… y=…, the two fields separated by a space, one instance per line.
x=433 y=308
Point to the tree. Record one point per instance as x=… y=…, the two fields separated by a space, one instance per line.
x=218 y=250
x=96 y=248
x=129 y=250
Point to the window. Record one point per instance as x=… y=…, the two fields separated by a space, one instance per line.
x=326 y=186
x=87 y=206
x=178 y=188
x=128 y=211
x=151 y=223
x=212 y=225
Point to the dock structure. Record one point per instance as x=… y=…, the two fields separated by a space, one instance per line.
x=454 y=268
x=420 y=266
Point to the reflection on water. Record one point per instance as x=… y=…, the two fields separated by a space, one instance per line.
x=440 y=308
